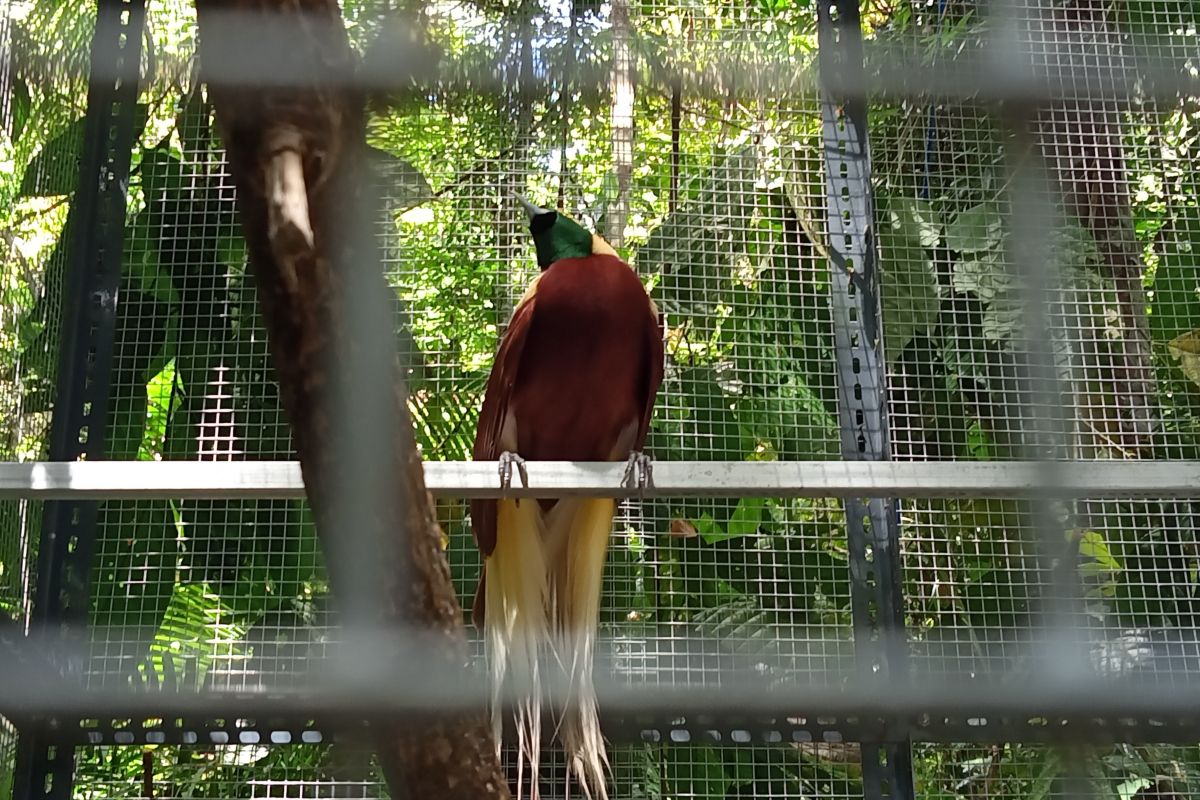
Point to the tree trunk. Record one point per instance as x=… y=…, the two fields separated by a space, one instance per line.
x=512 y=166
x=296 y=155
x=5 y=71
x=1082 y=141
x=622 y=121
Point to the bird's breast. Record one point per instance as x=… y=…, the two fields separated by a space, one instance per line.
x=580 y=384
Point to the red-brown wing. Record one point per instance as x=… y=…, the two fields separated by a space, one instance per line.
x=491 y=415
x=654 y=376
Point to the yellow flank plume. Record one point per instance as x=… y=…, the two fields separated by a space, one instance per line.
x=544 y=580
x=517 y=626
x=578 y=579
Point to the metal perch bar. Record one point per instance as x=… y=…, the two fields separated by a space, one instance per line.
x=46 y=480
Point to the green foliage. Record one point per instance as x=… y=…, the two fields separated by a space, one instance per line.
x=55 y=169
x=134 y=573
x=911 y=299
x=21 y=104
x=978 y=229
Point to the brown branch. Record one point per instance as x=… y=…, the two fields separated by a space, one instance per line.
x=297 y=156
x=831 y=752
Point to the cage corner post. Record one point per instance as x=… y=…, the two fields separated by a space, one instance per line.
x=873 y=525
x=45 y=753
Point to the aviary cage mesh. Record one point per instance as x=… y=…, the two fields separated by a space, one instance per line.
x=729 y=231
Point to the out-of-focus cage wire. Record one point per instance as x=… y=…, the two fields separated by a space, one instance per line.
x=231 y=594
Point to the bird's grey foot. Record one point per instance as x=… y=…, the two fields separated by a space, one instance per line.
x=643 y=466
x=507 y=460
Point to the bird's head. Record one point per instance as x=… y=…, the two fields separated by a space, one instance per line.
x=556 y=236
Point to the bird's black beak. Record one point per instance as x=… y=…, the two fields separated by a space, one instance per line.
x=530 y=209
x=540 y=219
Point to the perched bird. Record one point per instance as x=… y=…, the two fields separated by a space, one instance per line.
x=575 y=379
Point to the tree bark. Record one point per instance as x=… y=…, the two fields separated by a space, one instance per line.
x=296 y=153
x=1084 y=148
x=622 y=121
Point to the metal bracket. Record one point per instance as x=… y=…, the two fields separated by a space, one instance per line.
x=44 y=769
x=628 y=728
x=873 y=526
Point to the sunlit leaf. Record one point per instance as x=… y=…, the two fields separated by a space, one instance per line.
x=975 y=230
x=910 y=301
x=1127 y=790
x=916 y=219
x=1185 y=349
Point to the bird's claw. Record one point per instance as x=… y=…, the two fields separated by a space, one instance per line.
x=643 y=466
x=507 y=460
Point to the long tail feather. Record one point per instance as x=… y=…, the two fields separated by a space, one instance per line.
x=578 y=533
x=518 y=625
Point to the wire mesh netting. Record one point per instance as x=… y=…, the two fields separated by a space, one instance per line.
x=720 y=204
x=286 y=773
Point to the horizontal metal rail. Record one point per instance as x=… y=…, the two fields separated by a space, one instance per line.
x=134 y=480
x=1030 y=711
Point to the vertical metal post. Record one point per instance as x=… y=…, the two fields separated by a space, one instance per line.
x=873 y=526
x=78 y=430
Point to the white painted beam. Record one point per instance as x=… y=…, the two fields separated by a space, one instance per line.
x=281 y=479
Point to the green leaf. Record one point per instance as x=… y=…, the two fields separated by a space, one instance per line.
x=978 y=442
x=1043 y=784
x=1185 y=349
x=1073 y=247
x=700 y=249
x=746 y=518
x=708 y=528
x=1093 y=546
x=916 y=219
x=911 y=301
x=1176 y=305
x=1004 y=319
x=182 y=651
x=403 y=186
x=1129 y=789
x=710 y=430
x=985 y=277
x=975 y=230
x=160 y=391
x=142 y=265
x=21 y=106
x=55 y=169
x=695 y=771
x=794 y=420
x=740 y=766
x=138 y=355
